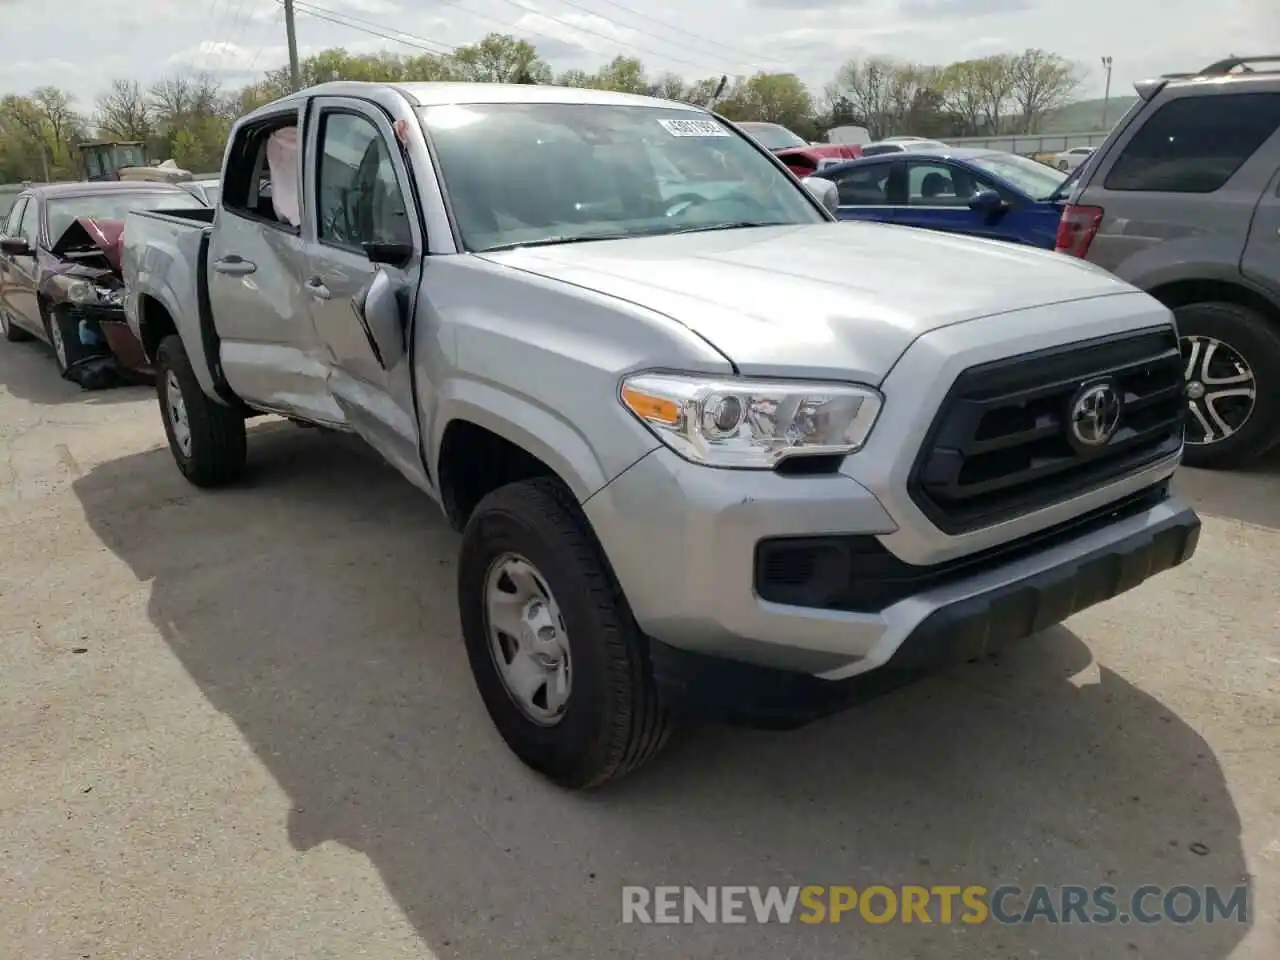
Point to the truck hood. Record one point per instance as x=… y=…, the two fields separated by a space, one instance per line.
x=832 y=300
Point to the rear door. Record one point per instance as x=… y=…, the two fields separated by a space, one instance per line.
x=1261 y=260
x=864 y=191
x=256 y=264
x=1186 y=173
x=357 y=187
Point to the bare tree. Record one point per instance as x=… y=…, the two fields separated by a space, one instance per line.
x=58 y=110
x=175 y=99
x=873 y=88
x=1041 y=82
x=123 y=111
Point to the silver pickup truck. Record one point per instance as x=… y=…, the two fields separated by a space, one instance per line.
x=711 y=451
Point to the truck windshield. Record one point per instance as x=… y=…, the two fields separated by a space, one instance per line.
x=64 y=211
x=520 y=173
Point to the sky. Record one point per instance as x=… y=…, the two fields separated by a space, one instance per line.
x=81 y=45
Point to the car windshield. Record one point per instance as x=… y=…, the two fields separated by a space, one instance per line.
x=773 y=136
x=1037 y=180
x=521 y=173
x=63 y=211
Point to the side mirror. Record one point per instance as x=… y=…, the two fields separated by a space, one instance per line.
x=987 y=201
x=15 y=246
x=381 y=311
x=824 y=191
x=391 y=254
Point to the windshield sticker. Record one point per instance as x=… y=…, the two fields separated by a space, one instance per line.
x=693 y=128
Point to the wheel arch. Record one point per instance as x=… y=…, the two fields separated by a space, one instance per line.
x=1181 y=293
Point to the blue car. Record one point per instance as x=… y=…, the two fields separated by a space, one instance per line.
x=984 y=193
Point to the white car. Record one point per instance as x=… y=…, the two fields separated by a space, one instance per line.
x=1070 y=159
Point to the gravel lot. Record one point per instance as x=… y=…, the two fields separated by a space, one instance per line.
x=241 y=725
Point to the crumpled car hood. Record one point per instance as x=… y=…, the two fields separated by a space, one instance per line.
x=89 y=232
x=837 y=300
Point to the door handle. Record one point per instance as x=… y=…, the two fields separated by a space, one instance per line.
x=317 y=289
x=234 y=265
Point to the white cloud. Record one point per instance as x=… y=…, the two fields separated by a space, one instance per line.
x=145 y=39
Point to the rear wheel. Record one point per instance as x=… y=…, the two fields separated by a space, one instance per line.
x=206 y=438
x=1232 y=360
x=557 y=656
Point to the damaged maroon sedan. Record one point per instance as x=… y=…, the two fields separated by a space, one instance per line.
x=60 y=275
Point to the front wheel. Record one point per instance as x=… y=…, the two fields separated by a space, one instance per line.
x=12 y=332
x=207 y=439
x=1232 y=360
x=558 y=659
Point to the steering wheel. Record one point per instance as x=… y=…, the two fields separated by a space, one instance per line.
x=684 y=203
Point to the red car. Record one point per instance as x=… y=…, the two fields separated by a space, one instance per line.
x=60 y=274
x=801 y=157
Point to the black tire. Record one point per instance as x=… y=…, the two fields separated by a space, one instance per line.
x=1256 y=339
x=613 y=721
x=69 y=330
x=218 y=444
x=12 y=332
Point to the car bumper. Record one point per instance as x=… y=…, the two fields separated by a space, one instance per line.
x=683 y=542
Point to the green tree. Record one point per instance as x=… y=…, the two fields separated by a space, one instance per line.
x=499 y=58
x=773 y=98
x=623 y=74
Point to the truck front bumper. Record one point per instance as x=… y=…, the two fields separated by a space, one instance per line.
x=684 y=541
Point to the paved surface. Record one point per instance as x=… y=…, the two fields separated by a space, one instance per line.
x=241 y=725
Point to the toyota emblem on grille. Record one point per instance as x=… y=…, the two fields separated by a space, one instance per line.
x=1095 y=415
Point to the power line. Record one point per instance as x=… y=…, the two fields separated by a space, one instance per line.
x=380 y=29
x=751 y=57
x=370 y=27
x=588 y=30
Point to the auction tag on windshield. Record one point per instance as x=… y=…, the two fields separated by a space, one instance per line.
x=693 y=128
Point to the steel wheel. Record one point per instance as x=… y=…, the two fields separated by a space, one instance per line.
x=176 y=410
x=1221 y=390
x=527 y=639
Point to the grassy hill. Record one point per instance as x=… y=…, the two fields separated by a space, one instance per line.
x=1085 y=116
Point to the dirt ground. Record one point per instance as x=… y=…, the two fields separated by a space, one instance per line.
x=241 y=725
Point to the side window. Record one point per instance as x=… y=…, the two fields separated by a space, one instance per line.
x=29 y=225
x=933 y=184
x=261 y=178
x=1195 y=144
x=863 y=186
x=358 y=198
x=12 y=225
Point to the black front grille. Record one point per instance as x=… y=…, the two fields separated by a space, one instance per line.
x=857 y=573
x=1002 y=443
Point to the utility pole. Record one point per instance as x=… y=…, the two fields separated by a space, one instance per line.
x=292 y=37
x=1106 y=97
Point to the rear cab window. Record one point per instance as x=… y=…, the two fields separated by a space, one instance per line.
x=1195 y=144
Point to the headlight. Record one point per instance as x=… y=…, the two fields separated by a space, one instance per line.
x=751 y=423
x=82 y=291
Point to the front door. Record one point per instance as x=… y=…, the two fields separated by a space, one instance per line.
x=22 y=276
x=358 y=192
